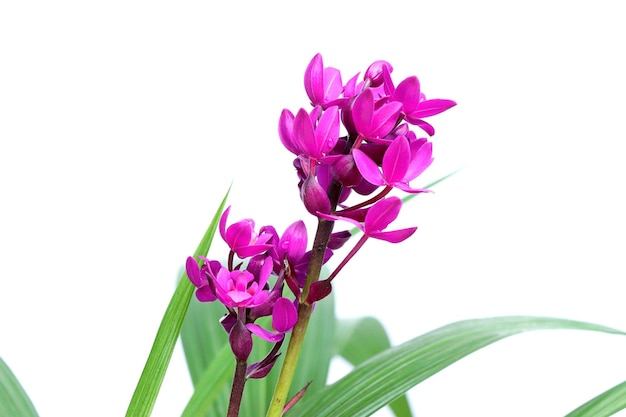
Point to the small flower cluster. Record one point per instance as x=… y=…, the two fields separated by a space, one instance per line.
x=378 y=149
x=376 y=153
x=256 y=290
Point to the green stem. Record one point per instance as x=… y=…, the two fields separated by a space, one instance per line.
x=324 y=229
x=320 y=243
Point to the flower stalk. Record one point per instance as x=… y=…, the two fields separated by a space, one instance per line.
x=322 y=236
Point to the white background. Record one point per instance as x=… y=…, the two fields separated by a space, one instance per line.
x=122 y=124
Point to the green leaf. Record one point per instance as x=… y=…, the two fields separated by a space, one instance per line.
x=390 y=374
x=153 y=373
x=13 y=399
x=215 y=381
x=318 y=340
x=432 y=184
x=358 y=340
x=605 y=404
x=204 y=339
x=258 y=392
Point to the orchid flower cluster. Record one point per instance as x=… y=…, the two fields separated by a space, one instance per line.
x=356 y=140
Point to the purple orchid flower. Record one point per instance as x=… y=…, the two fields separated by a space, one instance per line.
x=378 y=217
x=322 y=85
x=284 y=317
x=415 y=106
x=241 y=237
x=309 y=137
x=374 y=120
x=242 y=288
x=401 y=163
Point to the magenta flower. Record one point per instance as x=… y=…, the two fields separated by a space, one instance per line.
x=241 y=288
x=401 y=163
x=284 y=317
x=415 y=106
x=374 y=120
x=378 y=217
x=322 y=85
x=307 y=136
x=241 y=237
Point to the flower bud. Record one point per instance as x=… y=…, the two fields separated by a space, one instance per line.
x=319 y=290
x=375 y=73
x=345 y=171
x=314 y=196
x=261 y=369
x=240 y=341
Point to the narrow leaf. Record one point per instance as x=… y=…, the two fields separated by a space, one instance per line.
x=318 y=340
x=390 y=374
x=604 y=405
x=149 y=384
x=202 y=335
x=13 y=399
x=360 y=339
x=216 y=379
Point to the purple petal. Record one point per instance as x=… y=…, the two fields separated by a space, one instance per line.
x=265 y=271
x=247 y=251
x=303 y=133
x=396 y=160
x=223 y=220
x=327 y=131
x=363 y=112
x=426 y=127
x=239 y=234
x=264 y=334
x=314 y=80
x=334 y=218
x=332 y=84
x=408 y=93
x=350 y=89
x=294 y=241
x=407 y=188
x=285 y=131
x=388 y=83
x=421 y=158
x=385 y=118
x=193 y=272
x=367 y=168
x=284 y=315
x=432 y=107
x=381 y=214
x=205 y=294
x=395 y=236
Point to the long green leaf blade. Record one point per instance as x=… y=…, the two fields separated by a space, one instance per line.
x=202 y=335
x=214 y=381
x=360 y=339
x=385 y=377
x=258 y=392
x=14 y=401
x=151 y=378
x=604 y=405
